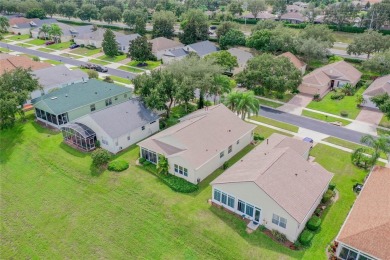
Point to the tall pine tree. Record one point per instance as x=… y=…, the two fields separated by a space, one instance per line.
x=110 y=46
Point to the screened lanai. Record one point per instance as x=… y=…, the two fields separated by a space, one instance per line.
x=79 y=135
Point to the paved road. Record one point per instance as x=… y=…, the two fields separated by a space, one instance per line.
x=315 y=125
x=115 y=72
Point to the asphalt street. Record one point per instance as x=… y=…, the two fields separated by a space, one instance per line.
x=115 y=72
x=315 y=125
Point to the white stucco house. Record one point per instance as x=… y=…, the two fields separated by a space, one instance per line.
x=274 y=185
x=119 y=126
x=200 y=143
x=365 y=234
x=379 y=87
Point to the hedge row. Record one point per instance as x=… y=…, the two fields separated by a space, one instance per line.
x=314 y=223
x=175 y=183
x=306 y=237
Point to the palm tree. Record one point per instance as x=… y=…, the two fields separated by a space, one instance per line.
x=220 y=86
x=381 y=144
x=248 y=104
x=46 y=30
x=162 y=166
x=231 y=100
x=3 y=23
x=55 y=32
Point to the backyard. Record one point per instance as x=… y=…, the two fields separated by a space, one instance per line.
x=54 y=201
x=347 y=104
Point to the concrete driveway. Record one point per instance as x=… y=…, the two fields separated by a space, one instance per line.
x=370 y=116
x=296 y=104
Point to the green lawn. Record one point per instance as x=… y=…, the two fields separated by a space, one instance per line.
x=54 y=62
x=275 y=123
x=18 y=37
x=151 y=64
x=100 y=62
x=267 y=132
x=112 y=59
x=119 y=79
x=70 y=56
x=348 y=104
x=385 y=122
x=344 y=37
x=85 y=51
x=382 y=131
x=269 y=103
x=36 y=42
x=24 y=45
x=52 y=200
x=4 y=49
x=59 y=46
x=130 y=69
x=45 y=50
x=325 y=118
x=285 y=98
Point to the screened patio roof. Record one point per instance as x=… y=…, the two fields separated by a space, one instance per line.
x=82 y=129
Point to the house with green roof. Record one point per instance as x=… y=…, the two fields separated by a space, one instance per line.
x=76 y=100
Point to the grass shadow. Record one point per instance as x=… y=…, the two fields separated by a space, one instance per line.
x=9 y=139
x=96 y=171
x=72 y=151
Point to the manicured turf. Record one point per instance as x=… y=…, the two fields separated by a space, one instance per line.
x=112 y=59
x=344 y=37
x=275 y=123
x=45 y=50
x=59 y=46
x=24 y=45
x=52 y=200
x=4 y=50
x=54 y=62
x=130 y=69
x=100 y=62
x=85 y=51
x=19 y=37
x=151 y=64
x=348 y=104
x=119 y=79
x=385 y=122
x=70 y=56
x=325 y=118
x=36 y=42
x=267 y=132
x=269 y=103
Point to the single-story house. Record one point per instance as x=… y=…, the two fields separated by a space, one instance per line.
x=55 y=77
x=378 y=87
x=300 y=65
x=95 y=38
x=119 y=126
x=10 y=62
x=263 y=15
x=161 y=44
x=365 y=233
x=242 y=56
x=324 y=79
x=293 y=17
x=294 y=8
x=201 y=48
x=21 y=25
x=76 y=100
x=69 y=32
x=274 y=185
x=202 y=142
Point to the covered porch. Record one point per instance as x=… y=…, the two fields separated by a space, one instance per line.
x=79 y=136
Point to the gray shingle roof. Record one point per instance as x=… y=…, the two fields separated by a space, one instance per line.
x=203 y=48
x=58 y=75
x=177 y=53
x=123 y=118
x=78 y=95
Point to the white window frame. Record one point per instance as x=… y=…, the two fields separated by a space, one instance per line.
x=230 y=149
x=221 y=154
x=280 y=221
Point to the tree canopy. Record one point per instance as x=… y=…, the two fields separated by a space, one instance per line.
x=224 y=59
x=109 y=44
x=195 y=27
x=110 y=14
x=383 y=103
x=141 y=50
x=379 y=63
x=369 y=42
x=163 y=23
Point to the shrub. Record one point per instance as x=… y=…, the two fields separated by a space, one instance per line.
x=258 y=137
x=259 y=91
x=225 y=165
x=36 y=58
x=100 y=157
x=279 y=236
x=317 y=211
x=118 y=165
x=108 y=79
x=332 y=186
x=295 y=91
x=279 y=95
x=306 y=237
x=147 y=164
x=97 y=144
x=92 y=74
x=344 y=113
x=314 y=223
x=142 y=160
x=335 y=58
x=337 y=96
x=316 y=97
x=327 y=196
x=262 y=228
x=82 y=45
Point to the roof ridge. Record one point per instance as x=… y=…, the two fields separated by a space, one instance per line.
x=366 y=230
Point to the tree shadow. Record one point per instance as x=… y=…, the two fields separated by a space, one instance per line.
x=9 y=138
x=96 y=171
x=40 y=128
x=72 y=151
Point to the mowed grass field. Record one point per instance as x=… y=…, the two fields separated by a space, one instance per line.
x=54 y=205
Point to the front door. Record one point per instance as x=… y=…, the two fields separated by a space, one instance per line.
x=257 y=215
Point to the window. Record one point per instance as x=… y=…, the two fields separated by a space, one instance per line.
x=217 y=195
x=281 y=222
x=348 y=254
x=221 y=154
x=185 y=172
x=249 y=210
x=231 y=201
x=149 y=155
x=143 y=128
x=241 y=206
x=181 y=170
x=238 y=141
x=176 y=168
x=224 y=198
x=230 y=149
x=108 y=102
x=93 y=108
x=128 y=138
